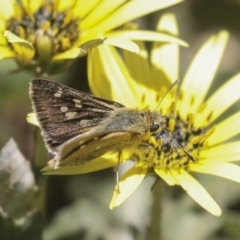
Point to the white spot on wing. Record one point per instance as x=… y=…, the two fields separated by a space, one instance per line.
x=78 y=103
x=70 y=115
x=64 y=109
x=58 y=94
x=84 y=122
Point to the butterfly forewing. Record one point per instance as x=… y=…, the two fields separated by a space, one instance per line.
x=64 y=113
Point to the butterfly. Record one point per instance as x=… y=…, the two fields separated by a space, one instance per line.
x=78 y=127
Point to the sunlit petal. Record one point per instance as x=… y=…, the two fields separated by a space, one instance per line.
x=2 y=26
x=6 y=53
x=7 y=9
x=224 y=170
x=32 y=6
x=135 y=62
x=32 y=118
x=70 y=54
x=145 y=35
x=122 y=43
x=24 y=49
x=141 y=71
x=83 y=8
x=201 y=72
x=92 y=166
x=226 y=129
x=128 y=183
x=197 y=192
x=127 y=13
x=108 y=65
x=165 y=56
x=101 y=12
x=61 y=5
x=166 y=176
x=224 y=152
x=220 y=100
x=12 y=38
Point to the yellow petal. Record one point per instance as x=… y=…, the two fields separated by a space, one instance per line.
x=122 y=43
x=63 y=5
x=139 y=68
x=6 y=52
x=7 y=9
x=225 y=152
x=226 y=129
x=130 y=11
x=201 y=72
x=32 y=118
x=24 y=50
x=220 y=100
x=101 y=12
x=166 y=176
x=128 y=183
x=12 y=38
x=83 y=8
x=70 y=54
x=92 y=166
x=104 y=64
x=3 y=40
x=32 y=6
x=165 y=56
x=144 y=35
x=224 y=170
x=197 y=192
x=149 y=88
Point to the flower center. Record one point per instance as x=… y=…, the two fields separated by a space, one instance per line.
x=174 y=147
x=59 y=29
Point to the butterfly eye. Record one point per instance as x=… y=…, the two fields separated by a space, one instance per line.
x=154 y=127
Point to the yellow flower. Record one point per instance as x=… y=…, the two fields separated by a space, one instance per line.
x=199 y=142
x=40 y=33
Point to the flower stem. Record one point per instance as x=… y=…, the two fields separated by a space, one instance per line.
x=154 y=231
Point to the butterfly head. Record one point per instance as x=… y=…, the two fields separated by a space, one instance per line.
x=157 y=122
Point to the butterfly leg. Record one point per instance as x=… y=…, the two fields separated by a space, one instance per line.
x=117 y=172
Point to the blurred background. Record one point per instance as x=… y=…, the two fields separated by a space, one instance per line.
x=76 y=207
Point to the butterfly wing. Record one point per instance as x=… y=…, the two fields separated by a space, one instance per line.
x=83 y=148
x=64 y=113
x=124 y=128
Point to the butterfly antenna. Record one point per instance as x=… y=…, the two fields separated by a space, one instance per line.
x=176 y=82
x=187 y=153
